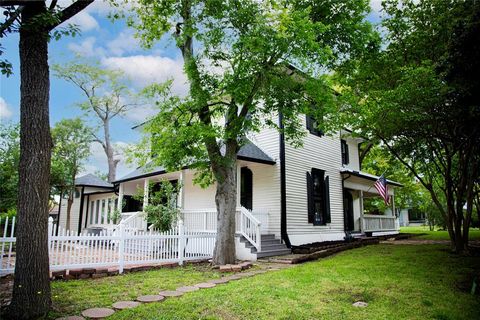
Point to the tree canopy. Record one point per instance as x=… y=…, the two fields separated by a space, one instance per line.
x=417 y=96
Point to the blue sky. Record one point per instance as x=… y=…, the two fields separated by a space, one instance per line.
x=114 y=46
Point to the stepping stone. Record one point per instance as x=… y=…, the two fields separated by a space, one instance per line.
x=71 y=318
x=234 y=277
x=218 y=281
x=120 y=305
x=171 y=293
x=150 y=298
x=97 y=313
x=205 y=285
x=360 y=304
x=188 y=289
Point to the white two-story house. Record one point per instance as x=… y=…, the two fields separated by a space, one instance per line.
x=286 y=196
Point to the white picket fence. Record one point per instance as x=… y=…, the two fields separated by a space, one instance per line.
x=113 y=248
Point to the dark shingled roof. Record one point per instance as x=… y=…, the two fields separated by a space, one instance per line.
x=248 y=152
x=91 y=180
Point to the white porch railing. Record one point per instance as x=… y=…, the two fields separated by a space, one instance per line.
x=134 y=221
x=69 y=250
x=373 y=223
x=246 y=223
x=249 y=227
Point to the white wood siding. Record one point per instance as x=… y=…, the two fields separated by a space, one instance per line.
x=322 y=153
x=354 y=161
x=197 y=197
x=266 y=178
x=73 y=213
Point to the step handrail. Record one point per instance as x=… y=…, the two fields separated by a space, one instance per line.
x=250 y=228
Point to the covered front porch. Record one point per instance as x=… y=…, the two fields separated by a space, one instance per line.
x=358 y=188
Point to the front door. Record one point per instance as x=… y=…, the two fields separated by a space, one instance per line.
x=348 y=210
x=246 y=188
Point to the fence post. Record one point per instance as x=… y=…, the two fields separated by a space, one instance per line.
x=121 y=247
x=50 y=231
x=181 y=242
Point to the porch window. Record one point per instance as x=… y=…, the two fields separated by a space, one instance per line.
x=318 y=195
x=345 y=157
x=312 y=126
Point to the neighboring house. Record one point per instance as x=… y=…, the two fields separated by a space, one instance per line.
x=89 y=189
x=291 y=196
x=403 y=217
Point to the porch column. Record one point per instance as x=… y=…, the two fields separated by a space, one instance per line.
x=120 y=198
x=181 y=194
x=146 y=184
x=239 y=184
x=362 y=227
x=392 y=198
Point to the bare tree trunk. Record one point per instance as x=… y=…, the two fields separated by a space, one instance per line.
x=226 y=201
x=31 y=291
x=112 y=163
x=69 y=210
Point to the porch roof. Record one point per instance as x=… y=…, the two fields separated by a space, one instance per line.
x=368 y=176
x=90 y=180
x=248 y=152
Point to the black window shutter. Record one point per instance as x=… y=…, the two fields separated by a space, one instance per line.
x=310 y=197
x=326 y=217
x=347 y=159
x=309 y=123
x=345 y=155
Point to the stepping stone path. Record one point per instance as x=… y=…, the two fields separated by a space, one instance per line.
x=150 y=298
x=188 y=289
x=97 y=313
x=171 y=293
x=205 y=285
x=218 y=281
x=120 y=305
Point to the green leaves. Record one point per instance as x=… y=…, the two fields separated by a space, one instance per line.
x=238 y=58
x=71 y=140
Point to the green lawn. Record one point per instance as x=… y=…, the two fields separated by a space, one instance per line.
x=398 y=282
x=474 y=233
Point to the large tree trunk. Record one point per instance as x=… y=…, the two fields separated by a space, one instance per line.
x=226 y=201
x=31 y=291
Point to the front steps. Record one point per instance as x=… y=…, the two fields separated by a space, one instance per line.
x=270 y=246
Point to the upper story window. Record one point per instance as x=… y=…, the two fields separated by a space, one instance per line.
x=312 y=126
x=345 y=156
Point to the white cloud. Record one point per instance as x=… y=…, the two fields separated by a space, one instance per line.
x=87 y=48
x=5 y=111
x=125 y=42
x=84 y=21
x=147 y=69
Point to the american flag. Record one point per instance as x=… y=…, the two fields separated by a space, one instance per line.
x=382 y=188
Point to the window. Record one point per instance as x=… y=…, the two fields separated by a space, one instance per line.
x=77 y=193
x=318 y=195
x=312 y=126
x=345 y=156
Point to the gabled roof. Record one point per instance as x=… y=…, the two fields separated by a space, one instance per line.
x=248 y=152
x=368 y=176
x=90 y=180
